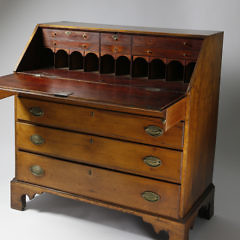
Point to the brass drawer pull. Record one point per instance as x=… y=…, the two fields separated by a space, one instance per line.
x=68 y=33
x=37 y=171
x=115 y=37
x=154 y=131
x=149 y=51
x=150 y=196
x=152 y=161
x=37 y=140
x=36 y=111
x=84 y=46
x=84 y=36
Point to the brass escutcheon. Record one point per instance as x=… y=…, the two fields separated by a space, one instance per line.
x=36 y=139
x=152 y=161
x=154 y=131
x=150 y=196
x=37 y=171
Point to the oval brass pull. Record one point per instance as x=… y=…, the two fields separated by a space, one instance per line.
x=84 y=36
x=37 y=171
x=84 y=46
x=154 y=131
x=115 y=37
x=149 y=51
x=68 y=33
x=37 y=140
x=152 y=161
x=150 y=196
x=36 y=111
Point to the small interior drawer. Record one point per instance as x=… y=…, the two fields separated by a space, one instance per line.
x=135 y=128
x=70 y=35
x=168 y=42
x=135 y=192
x=115 y=38
x=168 y=53
x=61 y=43
x=115 y=49
x=134 y=158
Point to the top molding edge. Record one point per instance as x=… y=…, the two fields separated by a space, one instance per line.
x=131 y=29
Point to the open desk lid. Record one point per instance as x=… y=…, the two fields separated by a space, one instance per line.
x=95 y=92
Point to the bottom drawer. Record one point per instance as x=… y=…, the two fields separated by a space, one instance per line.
x=122 y=189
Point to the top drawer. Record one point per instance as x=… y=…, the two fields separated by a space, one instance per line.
x=100 y=122
x=167 y=42
x=70 y=35
x=115 y=39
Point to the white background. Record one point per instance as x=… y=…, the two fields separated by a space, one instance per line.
x=50 y=217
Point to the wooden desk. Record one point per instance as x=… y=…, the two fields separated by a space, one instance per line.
x=120 y=117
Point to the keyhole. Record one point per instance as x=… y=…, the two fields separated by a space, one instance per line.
x=90 y=172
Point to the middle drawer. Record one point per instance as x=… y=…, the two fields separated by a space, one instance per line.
x=129 y=127
x=134 y=158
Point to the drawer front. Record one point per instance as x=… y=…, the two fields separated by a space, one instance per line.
x=166 y=42
x=115 y=49
x=122 y=189
x=158 y=52
x=100 y=122
x=115 y=39
x=81 y=46
x=139 y=159
x=70 y=35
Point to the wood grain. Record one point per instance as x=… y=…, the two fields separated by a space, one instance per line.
x=129 y=29
x=99 y=122
x=175 y=114
x=176 y=229
x=201 y=123
x=122 y=189
x=98 y=93
x=99 y=151
x=4 y=94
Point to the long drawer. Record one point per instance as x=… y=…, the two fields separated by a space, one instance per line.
x=118 y=125
x=122 y=189
x=139 y=159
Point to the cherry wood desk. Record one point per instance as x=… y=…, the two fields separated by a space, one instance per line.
x=120 y=117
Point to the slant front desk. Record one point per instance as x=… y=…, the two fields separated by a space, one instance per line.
x=120 y=117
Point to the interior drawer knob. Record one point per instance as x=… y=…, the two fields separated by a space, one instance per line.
x=149 y=51
x=115 y=37
x=36 y=111
x=37 y=140
x=84 y=36
x=84 y=46
x=152 y=161
x=68 y=33
x=150 y=196
x=154 y=131
x=37 y=171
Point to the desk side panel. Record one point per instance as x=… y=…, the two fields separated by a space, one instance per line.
x=201 y=123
